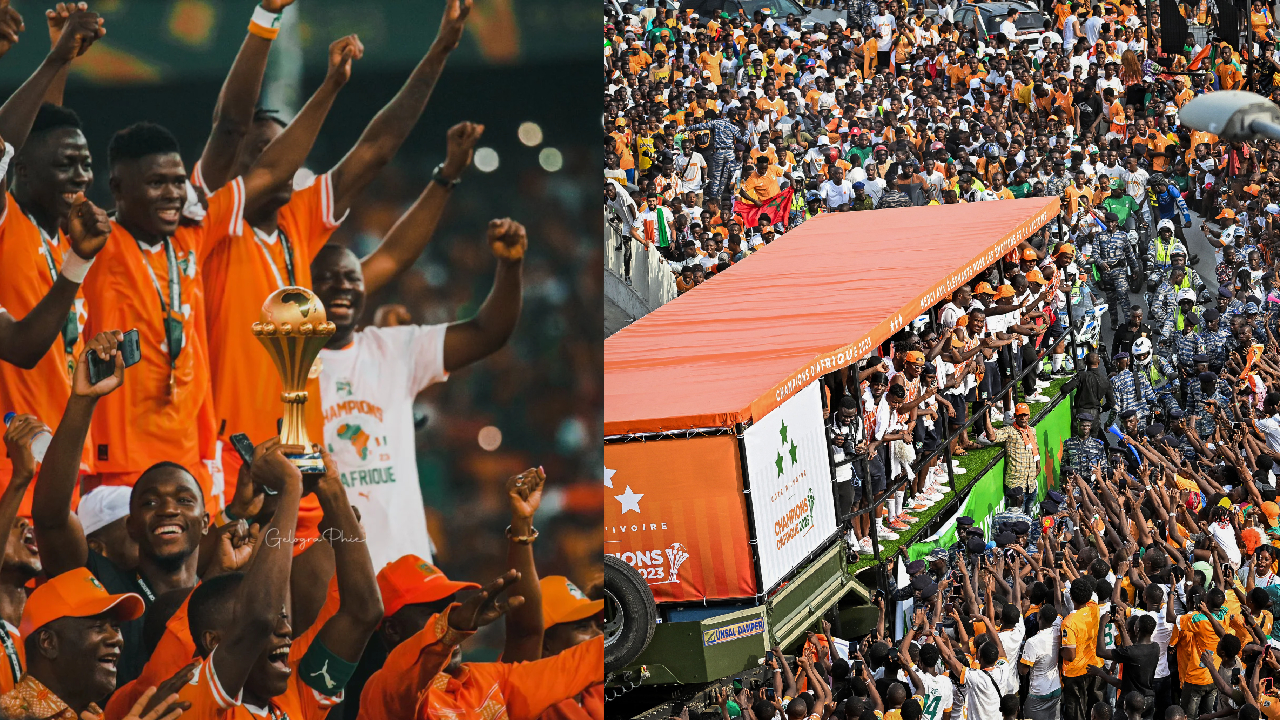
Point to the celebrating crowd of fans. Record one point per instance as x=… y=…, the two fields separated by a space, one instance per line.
x=136 y=582
x=1142 y=583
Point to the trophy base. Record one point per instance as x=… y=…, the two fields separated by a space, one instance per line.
x=307 y=463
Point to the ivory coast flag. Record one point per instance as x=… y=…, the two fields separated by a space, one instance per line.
x=1200 y=56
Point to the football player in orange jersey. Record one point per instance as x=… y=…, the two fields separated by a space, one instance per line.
x=45 y=308
x=151 y=281
x=44 y=268
x=279 y=239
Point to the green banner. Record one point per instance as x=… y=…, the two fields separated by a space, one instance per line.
x=1050 y=432
x=986 y=498
x=986 y=495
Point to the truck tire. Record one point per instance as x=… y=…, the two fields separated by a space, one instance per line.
x=630 y=614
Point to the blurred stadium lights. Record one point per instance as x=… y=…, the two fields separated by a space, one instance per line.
x=530 y=133
x=550 y=159
x=486 y=159
x=490 y=438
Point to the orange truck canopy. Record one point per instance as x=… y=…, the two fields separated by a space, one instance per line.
x=817 y=299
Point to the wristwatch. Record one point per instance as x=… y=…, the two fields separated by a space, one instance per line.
x=437 y=175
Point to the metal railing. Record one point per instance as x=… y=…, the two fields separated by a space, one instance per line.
x=648 y=274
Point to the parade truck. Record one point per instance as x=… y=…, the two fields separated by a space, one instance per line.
x=721 y=537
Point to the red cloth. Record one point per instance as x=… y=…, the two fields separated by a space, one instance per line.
x=778 y=208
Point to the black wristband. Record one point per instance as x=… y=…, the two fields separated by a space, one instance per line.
x=437 y=176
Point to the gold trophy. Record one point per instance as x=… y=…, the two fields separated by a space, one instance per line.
x=294 y=329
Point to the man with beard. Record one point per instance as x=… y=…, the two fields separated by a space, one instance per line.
x=424 y=675
x=385 y=368
x=167 y=516
x=21 y=562
x=73 y=644
x=250 y=663
x=44 y=267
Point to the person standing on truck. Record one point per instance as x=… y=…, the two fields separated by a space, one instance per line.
x=847 y=437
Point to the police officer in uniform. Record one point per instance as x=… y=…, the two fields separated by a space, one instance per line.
x=1114 y=257
x=1082 y=453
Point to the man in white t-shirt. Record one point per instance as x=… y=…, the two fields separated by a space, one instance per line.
x=369 y=379
x=1154 y=596
x=885 y=24
x=994 y=678
x=691 y=170
x=1040 y=661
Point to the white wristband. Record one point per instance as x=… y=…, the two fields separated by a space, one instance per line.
x=4 y=162
x=74 y=267
x=265 y=18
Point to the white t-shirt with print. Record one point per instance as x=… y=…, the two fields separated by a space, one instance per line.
x=1041 y=653
x=937 y=693
x=367 y=391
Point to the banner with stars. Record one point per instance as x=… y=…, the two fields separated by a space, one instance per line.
x=674 y=510
x=790 y=478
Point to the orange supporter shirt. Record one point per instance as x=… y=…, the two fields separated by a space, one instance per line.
x=1080 y=631
x=480 y=691
x=44 y=389
x=145 y=422
x=210 y=701
x=240 y=270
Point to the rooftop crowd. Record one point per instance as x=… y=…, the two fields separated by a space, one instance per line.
x=1142 y=581
x=165 y=556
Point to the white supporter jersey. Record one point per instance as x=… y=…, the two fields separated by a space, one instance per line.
x=367 y=391
x=937 y=692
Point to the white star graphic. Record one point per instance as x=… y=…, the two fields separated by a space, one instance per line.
x=630 y=500
x=608 y=477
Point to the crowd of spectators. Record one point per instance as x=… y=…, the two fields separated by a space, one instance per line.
x=1141 y=582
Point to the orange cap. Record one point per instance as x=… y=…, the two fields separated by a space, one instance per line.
x=1066 y=249
x=1005 y=291
x=563 y=602
x=410 y=580
x=1030 y=254
x=1226 y=213
x=1022 y=409
x=913 y=356
x=76 y=593
x=1272 y=511
x=962 y=321
x=984 y=289
x=1252 y=189
x=1036 y=276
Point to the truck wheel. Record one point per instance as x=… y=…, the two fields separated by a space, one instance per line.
x=629 y=614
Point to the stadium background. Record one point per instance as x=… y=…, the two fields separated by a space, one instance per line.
x=164 y=61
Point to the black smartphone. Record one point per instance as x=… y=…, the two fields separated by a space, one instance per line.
x=769 y=694
x=130 y=349
x=244 y=447
x=857 y=668
x=768 y=656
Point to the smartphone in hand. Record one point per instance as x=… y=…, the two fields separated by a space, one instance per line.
x=129 y=348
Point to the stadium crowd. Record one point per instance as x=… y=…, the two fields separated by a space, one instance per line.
x=1141 y=583
x=136 y=581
